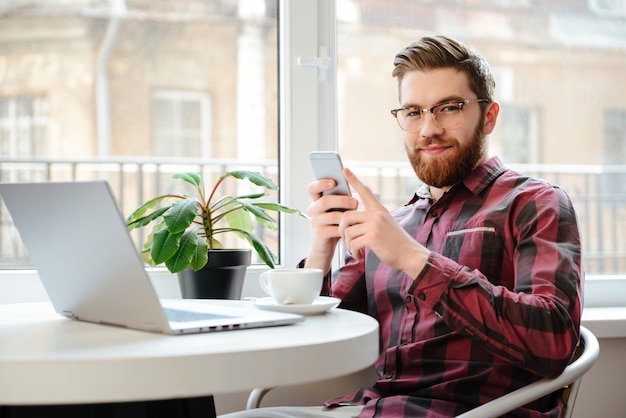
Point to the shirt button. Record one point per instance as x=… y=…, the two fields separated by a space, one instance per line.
x=408 y=299
x=433 y=213
x=421 y=296
x=388 y=375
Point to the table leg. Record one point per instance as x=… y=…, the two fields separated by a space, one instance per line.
x=203 y=407
x=255 y=397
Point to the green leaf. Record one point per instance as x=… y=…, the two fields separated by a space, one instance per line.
x=251 y=196
x=141 y=210
x=181 y=215
x=260 y=215
x=262 y=250
x=200 y=255
x=182 y=258
x=277 y=207
x=147 y=245
x=214 y=244
x=238 y=218
x=141 y=222
x=145 y=256
x=254 y=177
x=191 y=178
x=164 y=245
x=265 y=253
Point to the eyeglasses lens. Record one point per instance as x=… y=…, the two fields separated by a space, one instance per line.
x=446 y=116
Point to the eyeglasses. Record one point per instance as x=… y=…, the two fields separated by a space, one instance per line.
x=446 y=115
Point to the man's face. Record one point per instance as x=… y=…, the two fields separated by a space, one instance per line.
x=442 y=157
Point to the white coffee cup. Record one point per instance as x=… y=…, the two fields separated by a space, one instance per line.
x=292 y=286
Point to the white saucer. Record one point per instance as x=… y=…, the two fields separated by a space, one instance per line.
x=319 y=306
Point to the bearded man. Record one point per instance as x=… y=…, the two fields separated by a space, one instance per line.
x=476 y=282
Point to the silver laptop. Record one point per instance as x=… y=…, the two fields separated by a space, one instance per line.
x=78 y=242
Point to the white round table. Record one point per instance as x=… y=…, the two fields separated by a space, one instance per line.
x=49 y=359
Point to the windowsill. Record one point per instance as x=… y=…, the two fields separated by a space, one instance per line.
x=606 y=322
x=604 y=313
x=18 y=286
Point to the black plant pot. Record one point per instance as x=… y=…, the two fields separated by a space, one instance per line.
x=221 y=278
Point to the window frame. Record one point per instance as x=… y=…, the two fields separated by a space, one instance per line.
x=308 y=103
x=308 y=122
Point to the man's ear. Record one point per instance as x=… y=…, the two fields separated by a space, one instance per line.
x=491 y=115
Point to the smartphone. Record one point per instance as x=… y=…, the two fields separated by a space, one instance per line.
x=327 y=165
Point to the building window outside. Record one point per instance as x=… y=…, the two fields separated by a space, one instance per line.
x=23 y=126
x=180 y=124
x=23 y=134
x=519 y=134
x=615 y=135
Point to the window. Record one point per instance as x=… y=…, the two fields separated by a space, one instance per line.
x=23 y=126
x=134 y=92
x=518 y=136
x=614 y=188
x=180 y=124
x=615 y=134
x=23 y=129
x=559 y=71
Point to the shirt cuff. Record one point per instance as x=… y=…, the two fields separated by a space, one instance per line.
x=434 y=280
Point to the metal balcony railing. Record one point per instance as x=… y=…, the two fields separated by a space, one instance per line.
x=597 y=192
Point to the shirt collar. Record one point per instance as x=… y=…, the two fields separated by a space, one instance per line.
x=484 y=175
x=476 y=182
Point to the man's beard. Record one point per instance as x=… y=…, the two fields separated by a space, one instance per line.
x=450 y=169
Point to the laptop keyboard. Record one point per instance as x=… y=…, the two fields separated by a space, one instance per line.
x=179 y=315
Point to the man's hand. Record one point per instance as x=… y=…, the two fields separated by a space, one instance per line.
x=325 y=223
x=375 y=228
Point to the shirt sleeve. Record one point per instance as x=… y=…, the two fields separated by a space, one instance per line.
x=536 y=323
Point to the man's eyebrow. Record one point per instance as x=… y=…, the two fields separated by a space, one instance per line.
x=447 y=99
x=410 y=106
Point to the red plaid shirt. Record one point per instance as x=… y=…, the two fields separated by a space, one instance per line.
x=497 y=307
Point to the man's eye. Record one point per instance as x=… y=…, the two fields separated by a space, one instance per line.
x=449 y=108
x=413 y=113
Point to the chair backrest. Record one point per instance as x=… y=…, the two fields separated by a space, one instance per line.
x=567 y=382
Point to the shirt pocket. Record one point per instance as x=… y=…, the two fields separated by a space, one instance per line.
x=478 y=247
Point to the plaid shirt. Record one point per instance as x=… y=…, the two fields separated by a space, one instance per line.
x=498 y=305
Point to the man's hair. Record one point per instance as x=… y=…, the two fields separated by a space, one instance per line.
x=435 y=52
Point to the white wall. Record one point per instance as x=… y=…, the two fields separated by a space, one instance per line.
x=602 y=392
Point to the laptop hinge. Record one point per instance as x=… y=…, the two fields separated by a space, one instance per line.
x=69 y=314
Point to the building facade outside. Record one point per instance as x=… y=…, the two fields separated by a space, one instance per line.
x=134 y=90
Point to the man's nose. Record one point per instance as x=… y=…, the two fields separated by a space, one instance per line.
x=430 y=128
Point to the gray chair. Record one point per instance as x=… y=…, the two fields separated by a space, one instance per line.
x=567 y=382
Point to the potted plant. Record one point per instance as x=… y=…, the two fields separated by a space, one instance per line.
x=187 y=229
